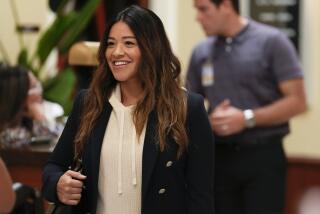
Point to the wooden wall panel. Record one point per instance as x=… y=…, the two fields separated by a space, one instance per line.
x=303 y=174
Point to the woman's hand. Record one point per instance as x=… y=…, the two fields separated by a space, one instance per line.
x=69 y=187
x=34 y=104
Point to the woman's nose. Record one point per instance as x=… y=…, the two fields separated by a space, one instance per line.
x=118 y=51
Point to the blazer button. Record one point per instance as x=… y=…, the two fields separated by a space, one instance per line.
x=161 y=191
x=169 y=163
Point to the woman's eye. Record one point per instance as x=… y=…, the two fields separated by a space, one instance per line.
x=129 y=43
x=109 y=44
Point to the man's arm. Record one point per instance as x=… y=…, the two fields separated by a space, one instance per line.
x=292 y=103
x=288 y=72
x=227 y=119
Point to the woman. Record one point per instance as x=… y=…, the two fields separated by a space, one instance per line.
x=146 y=144
x=21 y=115
x=14 y=85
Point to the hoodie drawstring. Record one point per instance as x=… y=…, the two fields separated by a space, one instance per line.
x=120 y=153
x=133 y=157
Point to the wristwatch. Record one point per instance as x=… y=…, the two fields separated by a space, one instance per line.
x=249 y=119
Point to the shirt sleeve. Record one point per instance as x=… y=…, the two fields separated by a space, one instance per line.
x=284 y=59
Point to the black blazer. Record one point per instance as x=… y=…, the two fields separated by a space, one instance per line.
x=187 y=184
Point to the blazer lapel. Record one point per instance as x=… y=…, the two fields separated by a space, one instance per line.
x=150 y=152
x=93 y=150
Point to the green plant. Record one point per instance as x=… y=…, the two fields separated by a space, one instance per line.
x=62 y=33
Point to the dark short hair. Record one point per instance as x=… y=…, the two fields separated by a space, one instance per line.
x=235 y=4
x=14 y=85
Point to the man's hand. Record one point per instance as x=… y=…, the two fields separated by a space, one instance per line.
x=226 y=119
x=69 y=187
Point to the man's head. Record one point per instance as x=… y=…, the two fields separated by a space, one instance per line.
x=213 y=15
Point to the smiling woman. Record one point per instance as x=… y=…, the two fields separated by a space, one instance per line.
x=143 y=140
x=123 y=55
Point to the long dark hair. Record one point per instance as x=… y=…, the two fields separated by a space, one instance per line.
x=159 y=71
x=14 y=85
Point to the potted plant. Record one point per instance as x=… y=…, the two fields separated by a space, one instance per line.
x=60 y=35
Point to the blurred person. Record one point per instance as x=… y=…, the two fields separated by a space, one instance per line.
x=7 y=194
x=21 y=108
x=251 y=76
x=14 y=85
x=146 y=144
x=42 y=113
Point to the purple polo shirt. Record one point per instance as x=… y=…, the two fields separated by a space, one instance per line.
x=246 y=69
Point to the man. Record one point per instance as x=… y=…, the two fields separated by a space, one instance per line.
x=251 y=76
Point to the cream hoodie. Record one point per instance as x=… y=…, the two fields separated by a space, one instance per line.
x=120 y=169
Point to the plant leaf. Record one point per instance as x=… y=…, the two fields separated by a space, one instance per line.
x=23 y=58
x=81 y=21
x=53 y=35
x=60 y=88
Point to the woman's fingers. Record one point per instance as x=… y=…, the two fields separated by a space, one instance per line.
x=70 y=199
x=72 y=190
x=75 y=175
x=69 y=187
x=72 y=202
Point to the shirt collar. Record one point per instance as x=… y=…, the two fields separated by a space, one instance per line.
x=238 y=38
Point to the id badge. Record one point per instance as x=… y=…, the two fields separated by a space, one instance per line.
x=207 y=74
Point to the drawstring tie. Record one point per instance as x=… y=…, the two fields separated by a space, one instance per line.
x=120 y=153
x=133 y=157
x=120 y=111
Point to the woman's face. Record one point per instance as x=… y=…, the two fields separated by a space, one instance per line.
x=123 y=53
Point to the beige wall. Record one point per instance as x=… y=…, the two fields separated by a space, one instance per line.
x=29 y=12
x=305 y=137
x=181 y=26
